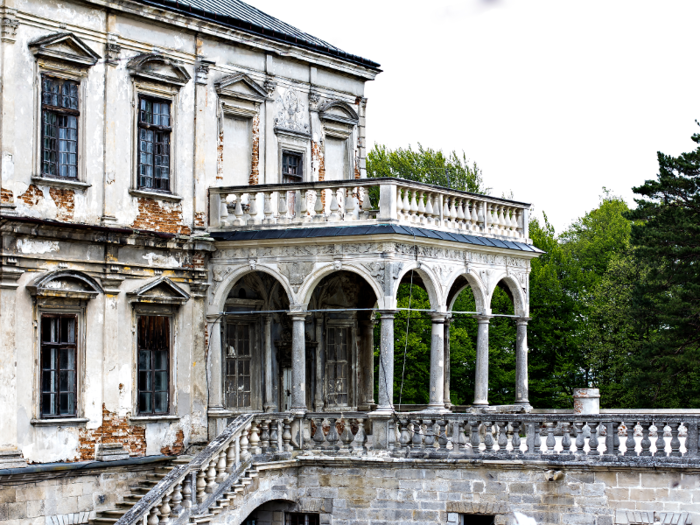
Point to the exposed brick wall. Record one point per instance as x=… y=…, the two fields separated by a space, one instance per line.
x=6 y=196
x=254 y=172
x=177 y=447
x=161 y=217
x=65 y=202
x=32 y=196
x=200 y=219
x=114 y=429
x=220 y=155
x=317 y=155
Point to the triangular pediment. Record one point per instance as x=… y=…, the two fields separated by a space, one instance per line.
x=157 y=68
x=240 y=85
x=338 y=111
x=65 y=283
x=160 y=291
x=65 y=47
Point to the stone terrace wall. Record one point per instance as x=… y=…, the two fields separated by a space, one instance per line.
x=371 y=492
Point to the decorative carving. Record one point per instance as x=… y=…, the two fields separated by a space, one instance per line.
x=253 y=263
x=337 y=265
x=65 y=47
x=158 y=68
x=9 y=28
x=112 y=51
x=377 y=271
x=270 y=86
x=219 y=273
x=202 y=70
x=291 y=113
x=295 y=273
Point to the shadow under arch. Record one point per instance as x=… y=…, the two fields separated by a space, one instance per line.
x=261 y=505
x=229 y=281
x=310 y=284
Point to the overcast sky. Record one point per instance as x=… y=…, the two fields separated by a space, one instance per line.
x=553 y=99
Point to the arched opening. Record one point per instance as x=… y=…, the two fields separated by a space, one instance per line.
x=502 y=342
x=275 y=512
x=339 y=343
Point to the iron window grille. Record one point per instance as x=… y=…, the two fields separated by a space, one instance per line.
x=154 y=364
x=238 y=363
x=59 y=127
x=292 y=167
x=296 y=518
x=58 y=365
x=155 y=129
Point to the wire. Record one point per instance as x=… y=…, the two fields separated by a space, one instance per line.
x=408 y=321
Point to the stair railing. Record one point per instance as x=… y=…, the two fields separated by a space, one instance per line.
x=192 y=488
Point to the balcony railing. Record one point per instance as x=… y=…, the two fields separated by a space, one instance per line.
x=365 y=202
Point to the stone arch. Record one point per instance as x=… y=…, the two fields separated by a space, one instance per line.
x=520 y=305
x=65 y=283
x=257 y=499
x=430 y=282
x=230 y=278
x=477 y=287
x=307 y=289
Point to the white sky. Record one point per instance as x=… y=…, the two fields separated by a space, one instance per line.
x=553 y=99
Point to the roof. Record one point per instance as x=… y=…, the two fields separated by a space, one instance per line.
x=380 y=229
x=237 y=14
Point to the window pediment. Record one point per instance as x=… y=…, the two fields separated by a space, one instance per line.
x=157 y=68
x=160 y=291
x=64 y=47
x=241 y=86
x=340 y=112
x=65 y=283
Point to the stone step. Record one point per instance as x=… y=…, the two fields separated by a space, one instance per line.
x=118 y=513
x=104 y=521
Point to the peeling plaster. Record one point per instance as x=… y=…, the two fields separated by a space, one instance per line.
x=37 y=247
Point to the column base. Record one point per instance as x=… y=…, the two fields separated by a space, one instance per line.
x=435 y=409
x=382 y=411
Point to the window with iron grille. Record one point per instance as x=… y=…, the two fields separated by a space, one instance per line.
x=59 y=127
x=297 y=518
x=238 y=361
x=58 y=365
x=154 y=364
x=155 y=128
x=337 y=365
x=292 y=167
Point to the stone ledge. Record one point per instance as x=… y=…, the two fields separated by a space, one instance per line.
x=73 y=184
x=59 y=422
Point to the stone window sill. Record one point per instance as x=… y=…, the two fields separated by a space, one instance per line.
x=149 y=419
x=155 y=195
x=60 y=422
x=61 y=183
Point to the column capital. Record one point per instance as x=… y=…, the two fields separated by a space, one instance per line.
x=298 y=315
x=483 y=319
x=439 y=317
x=523 y=320
x=387 y=314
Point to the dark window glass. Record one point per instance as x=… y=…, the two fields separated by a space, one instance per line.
x=59 y=128
x=475 y=519
x=154 y=364
x=154 y=144
x=238 y=361
x=292 y=167
x=337 y=365
x=58 y=365
x=297 y=518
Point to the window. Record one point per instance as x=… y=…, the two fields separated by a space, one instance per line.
x=154 y=144
x=238 y=362
x=292 y=167
x=154 y=364
x=477 y=519
x=337 y=365
x=302 y=519
x=59 y=127
x=58 y=365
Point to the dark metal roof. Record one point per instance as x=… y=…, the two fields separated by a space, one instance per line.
x=380 y=229
x=237 y=14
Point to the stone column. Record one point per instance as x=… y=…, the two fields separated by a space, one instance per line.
x=386 y=363
x=320 y=348
x=521 y=380
x=448 y=399
x=298 y=362
x=367 y=365
x=216 y=350
x=437 y=364
x=9 y=435
x=270 y=401
x=481 y=387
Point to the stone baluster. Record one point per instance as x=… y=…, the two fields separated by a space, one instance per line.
x=474 y=437
x=475 y=219
x=537 y=444
x=153 y=515
x=461 y=442
x=675 y=442
x=287 y=436
x=429 y=210
x=630 y=443
x=267 y=208
x=421 y=208
x=399 y=203
x=231 y=456
x=515 y=440
x=646 y=442
x=404 y=434
x=550 y=437
x=367 y=204
x=283 y=207
x=566 y=438
x=488 y=437
x=255 y=438
x=593 y=440
x=221 y=466
x=187 y=492
x=319 y=437
x=358 y=443
x=332 y=436
x=265 y=435
x=442 y=435
x=274 y=437
x=201 y=484
x=165 y=509
x=319 y=212
x=177 y=498
x=429 y=440
x=211 y=475
x=238 y=210
x=303 y=197
x=502 y=438
x=349 y=204
x=414 y=206
x=580 y=440
x=513 y=222
x=616 y=438
x=660 y=441
x=346 y=437
x=459 y=213
x=453 y=214
x=417 y=441
x=406 y=205
x=223 y=209
x=245 y=443
x=518 y=223
x=334 y=208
